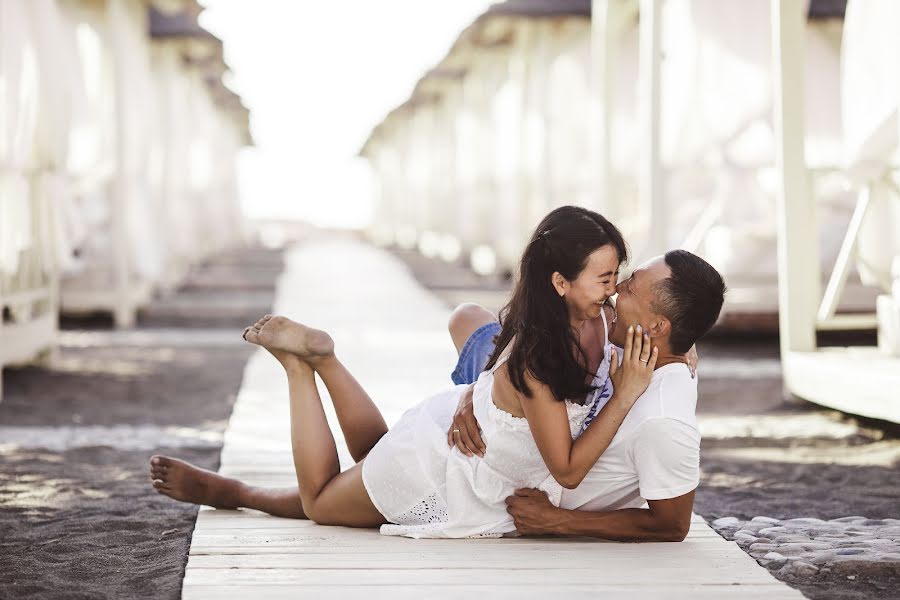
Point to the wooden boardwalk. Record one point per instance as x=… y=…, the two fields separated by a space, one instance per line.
x=391 y=334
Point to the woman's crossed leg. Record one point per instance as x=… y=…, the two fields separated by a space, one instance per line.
x=359 y=419
x=323 y=494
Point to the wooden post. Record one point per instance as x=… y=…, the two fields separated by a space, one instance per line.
x=651 y=195
x=124 y=311
x=798 y=261
x=604 y=42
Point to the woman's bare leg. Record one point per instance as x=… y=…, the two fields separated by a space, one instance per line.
x=328 y=496
x=360 y=420
x=185 y=482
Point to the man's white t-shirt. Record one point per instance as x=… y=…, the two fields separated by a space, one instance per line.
x=656 y=453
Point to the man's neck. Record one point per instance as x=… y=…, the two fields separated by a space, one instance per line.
x=666 y=356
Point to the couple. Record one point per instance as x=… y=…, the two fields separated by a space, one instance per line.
x=581 y=420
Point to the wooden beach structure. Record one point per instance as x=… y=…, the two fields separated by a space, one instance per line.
x=664 y=115
x=34 y=198
x=117 y=149
x=859 y=380
x=159 y=207
x=245 y=553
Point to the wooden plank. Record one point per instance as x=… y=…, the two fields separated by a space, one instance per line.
x=20 y=342
x=640 y=591
x=537 y=574
x=515 y=558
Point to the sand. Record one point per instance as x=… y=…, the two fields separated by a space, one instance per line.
x=77 y=511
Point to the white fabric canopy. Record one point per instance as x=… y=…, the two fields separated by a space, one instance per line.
x=871 y=98
x=18 y=121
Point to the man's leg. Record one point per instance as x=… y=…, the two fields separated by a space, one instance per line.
x=465 y=320
x=473 y=330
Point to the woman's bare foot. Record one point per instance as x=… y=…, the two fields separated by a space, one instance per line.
x=186 y=483
x=280 y=334
x=287 y=359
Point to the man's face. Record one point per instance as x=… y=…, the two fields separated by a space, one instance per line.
x=635 y=294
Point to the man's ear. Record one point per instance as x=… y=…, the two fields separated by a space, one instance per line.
x=560 y=283
x=660 y=327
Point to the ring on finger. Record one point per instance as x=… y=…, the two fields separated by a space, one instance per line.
x=644 y=361
x=456 y=431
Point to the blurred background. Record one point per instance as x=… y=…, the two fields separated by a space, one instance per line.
x=165 y=164
x=138 y=138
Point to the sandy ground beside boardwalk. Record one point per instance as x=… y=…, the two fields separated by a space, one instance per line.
x=78 y=515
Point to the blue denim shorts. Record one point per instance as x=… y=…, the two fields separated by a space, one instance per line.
x=475 y=354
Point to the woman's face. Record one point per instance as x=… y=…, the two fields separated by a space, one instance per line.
x=587 y=293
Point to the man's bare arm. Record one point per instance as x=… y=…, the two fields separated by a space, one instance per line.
x=464 y=430
x=665 y=521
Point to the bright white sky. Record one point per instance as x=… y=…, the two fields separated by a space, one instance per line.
x=317 y=76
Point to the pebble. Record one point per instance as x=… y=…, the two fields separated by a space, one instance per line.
x=823 y=558
x=798 y=568
x=804 y=546
x=806 y=521
x=799 y=547
x=784 y=539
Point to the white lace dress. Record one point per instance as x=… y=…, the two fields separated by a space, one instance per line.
x=427 y=489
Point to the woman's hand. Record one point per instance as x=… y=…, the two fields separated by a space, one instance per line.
x=464 y=430
x=692 y=360
x=631 y=378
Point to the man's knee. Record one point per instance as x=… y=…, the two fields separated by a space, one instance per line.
x=465 y=319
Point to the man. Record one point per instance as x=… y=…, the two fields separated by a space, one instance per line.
x=653 y=460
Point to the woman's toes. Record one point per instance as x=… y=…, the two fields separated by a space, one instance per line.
x=252 y=335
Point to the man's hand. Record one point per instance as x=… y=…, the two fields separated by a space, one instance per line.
x=532 y=512
x=464 y=431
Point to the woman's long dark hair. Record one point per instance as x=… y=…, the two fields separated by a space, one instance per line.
x=537 y=318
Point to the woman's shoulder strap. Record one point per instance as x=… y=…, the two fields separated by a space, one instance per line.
x=605 y=324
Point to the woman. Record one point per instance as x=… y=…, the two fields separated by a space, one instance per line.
x=531 y=402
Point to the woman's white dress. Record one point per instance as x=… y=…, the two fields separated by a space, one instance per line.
x=427 y=489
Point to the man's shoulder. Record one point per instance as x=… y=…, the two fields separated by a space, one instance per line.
x=672 y=393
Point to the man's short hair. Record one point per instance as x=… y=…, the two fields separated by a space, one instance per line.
x=691 y=298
